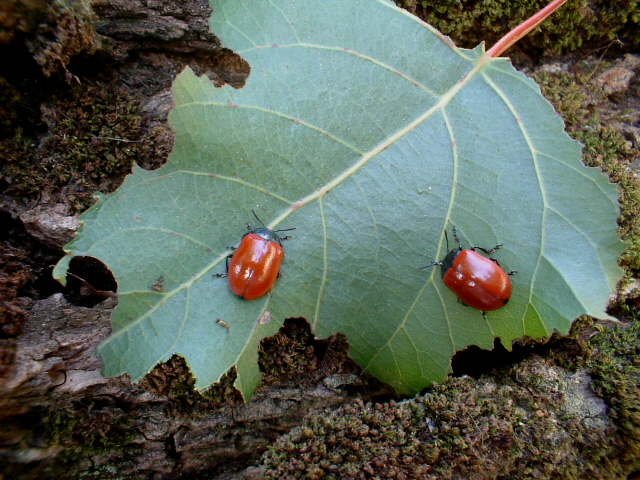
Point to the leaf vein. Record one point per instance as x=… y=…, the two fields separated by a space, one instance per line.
x=536 y=164
x=241 y=182
x=277 y=8
x=354 y=53
x=269 y=111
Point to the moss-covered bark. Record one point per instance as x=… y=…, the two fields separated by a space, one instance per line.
x=533 y=420
x=577 y=24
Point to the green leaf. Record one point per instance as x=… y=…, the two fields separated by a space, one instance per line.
x=371 y=133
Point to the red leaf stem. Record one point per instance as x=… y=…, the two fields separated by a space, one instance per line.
x=525 y=27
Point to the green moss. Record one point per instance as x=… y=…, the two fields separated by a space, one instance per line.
x=577 y=23
x=615 y=367
x=84 y=431
x=95 y=135
x=290 y=353
x=521 y=425
x=67 y=435
x=567 y=94
x=612 y=357
x=173 y=379
x=533 y=420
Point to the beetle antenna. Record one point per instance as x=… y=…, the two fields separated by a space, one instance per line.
x=432 y=264
x=258 y=218
x=262 y=223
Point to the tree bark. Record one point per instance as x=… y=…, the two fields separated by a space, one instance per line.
x=59 y=414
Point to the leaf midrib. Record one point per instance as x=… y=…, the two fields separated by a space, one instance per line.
x=444 y=100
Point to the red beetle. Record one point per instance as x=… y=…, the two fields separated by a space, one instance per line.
x=478 y=281
x=255 y=264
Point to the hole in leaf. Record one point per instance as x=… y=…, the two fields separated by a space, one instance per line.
x=231 y=68
x=89 y=281
x=475 y=361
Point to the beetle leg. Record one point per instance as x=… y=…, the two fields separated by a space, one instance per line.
x=484 y=314
x=462 y=303
x=510 y=272
x=495 y=260
x=488 y=251
x=286 y=237
x=226 y=266
x=431 y=265
x=455 y=237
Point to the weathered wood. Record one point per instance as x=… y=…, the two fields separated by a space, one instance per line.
x=59 y=413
